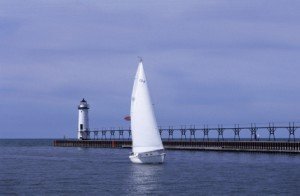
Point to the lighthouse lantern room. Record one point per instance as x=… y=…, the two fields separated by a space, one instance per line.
x=83 y=120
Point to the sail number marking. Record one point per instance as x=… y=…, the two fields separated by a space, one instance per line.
x=141 y=80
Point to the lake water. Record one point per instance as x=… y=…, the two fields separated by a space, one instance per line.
x=34 y=167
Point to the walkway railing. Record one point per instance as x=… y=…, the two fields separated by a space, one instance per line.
x=189 y=132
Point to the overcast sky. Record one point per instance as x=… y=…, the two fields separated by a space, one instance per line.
x=207 y=62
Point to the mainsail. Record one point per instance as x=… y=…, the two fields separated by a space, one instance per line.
x=145 y=134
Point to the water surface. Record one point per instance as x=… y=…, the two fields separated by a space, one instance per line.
x=35 y=167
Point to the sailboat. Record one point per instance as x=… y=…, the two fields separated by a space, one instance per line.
x=147 y=146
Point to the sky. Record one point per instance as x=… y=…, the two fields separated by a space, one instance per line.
x=207 y=62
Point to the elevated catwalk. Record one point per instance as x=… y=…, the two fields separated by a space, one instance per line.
x=197 y=138
x=202 y=133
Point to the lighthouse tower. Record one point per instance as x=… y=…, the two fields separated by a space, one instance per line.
x=83 y=121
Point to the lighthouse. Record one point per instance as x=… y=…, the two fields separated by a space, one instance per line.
x=83 y=120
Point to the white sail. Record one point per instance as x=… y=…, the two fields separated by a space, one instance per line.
x=145 y=134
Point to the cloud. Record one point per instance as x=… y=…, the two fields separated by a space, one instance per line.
x=206 y=61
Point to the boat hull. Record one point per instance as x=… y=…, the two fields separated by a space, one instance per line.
x=154 y=157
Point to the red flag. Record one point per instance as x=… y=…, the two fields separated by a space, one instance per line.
x=128 y=118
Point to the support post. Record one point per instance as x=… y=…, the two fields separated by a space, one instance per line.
x=129 y=133
x=292 y=130
x=183 y=132
x=271 y=130
x=205 y=133
x=112 y=133
x=237 y=131
x=220 y=132
x=171 y=130
x=160 y=131
x=253 y=130
x=95 y=134
x=121 y=133
x=192 y=132
x=103 y=134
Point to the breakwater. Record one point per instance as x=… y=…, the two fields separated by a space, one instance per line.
x=235 y=146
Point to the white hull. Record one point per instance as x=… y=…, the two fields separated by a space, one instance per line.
x=154 y=157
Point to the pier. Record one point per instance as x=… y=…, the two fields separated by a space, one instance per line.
x=235 y=146
x=198 y=138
